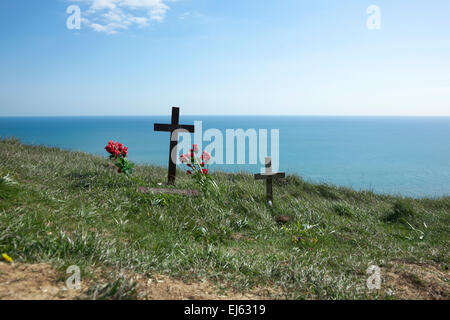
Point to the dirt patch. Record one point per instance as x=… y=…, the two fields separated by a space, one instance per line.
x=414 y=281
x=166 y=288
x=42 y=282
x=32 y=282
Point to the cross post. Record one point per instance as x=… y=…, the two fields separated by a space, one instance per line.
x=172 y=128
x=269 y=176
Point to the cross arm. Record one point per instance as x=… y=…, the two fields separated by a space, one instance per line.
x=266 y=176
x=172 y=127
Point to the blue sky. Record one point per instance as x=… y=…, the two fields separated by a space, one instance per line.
x=140 y=57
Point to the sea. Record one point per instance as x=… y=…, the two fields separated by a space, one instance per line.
x=406 y=156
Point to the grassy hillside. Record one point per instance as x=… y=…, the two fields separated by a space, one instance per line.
x=69 y=208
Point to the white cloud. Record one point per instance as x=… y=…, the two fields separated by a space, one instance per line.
x=111 y=16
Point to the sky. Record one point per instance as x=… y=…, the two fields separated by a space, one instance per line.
x=217 y=57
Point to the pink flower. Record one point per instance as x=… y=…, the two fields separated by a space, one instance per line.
x=195 y=148
x=205 y=156
x=189 y=155
x=184 y=158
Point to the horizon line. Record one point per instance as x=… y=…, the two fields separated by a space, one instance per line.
x=233 y=115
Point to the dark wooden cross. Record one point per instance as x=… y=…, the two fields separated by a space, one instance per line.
x=172 y=128
x=269 y=176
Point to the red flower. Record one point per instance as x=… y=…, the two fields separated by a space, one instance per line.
x=205 y=171
x=116 y=149
x=189 y=172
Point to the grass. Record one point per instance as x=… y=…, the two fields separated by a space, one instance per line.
x=70 y=208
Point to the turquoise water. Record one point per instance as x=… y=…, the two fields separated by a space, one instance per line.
x=398 y=155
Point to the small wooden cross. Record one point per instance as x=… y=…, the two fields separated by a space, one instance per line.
x=269 y=176
x=172 y=128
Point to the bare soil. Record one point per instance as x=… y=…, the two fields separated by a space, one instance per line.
x=41 y=282
x=417 y=282
x=33 y=282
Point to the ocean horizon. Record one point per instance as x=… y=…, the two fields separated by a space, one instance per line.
x=397 y=155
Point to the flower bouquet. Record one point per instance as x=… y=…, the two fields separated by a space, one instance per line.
x=197 y=167
x=118 y=153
